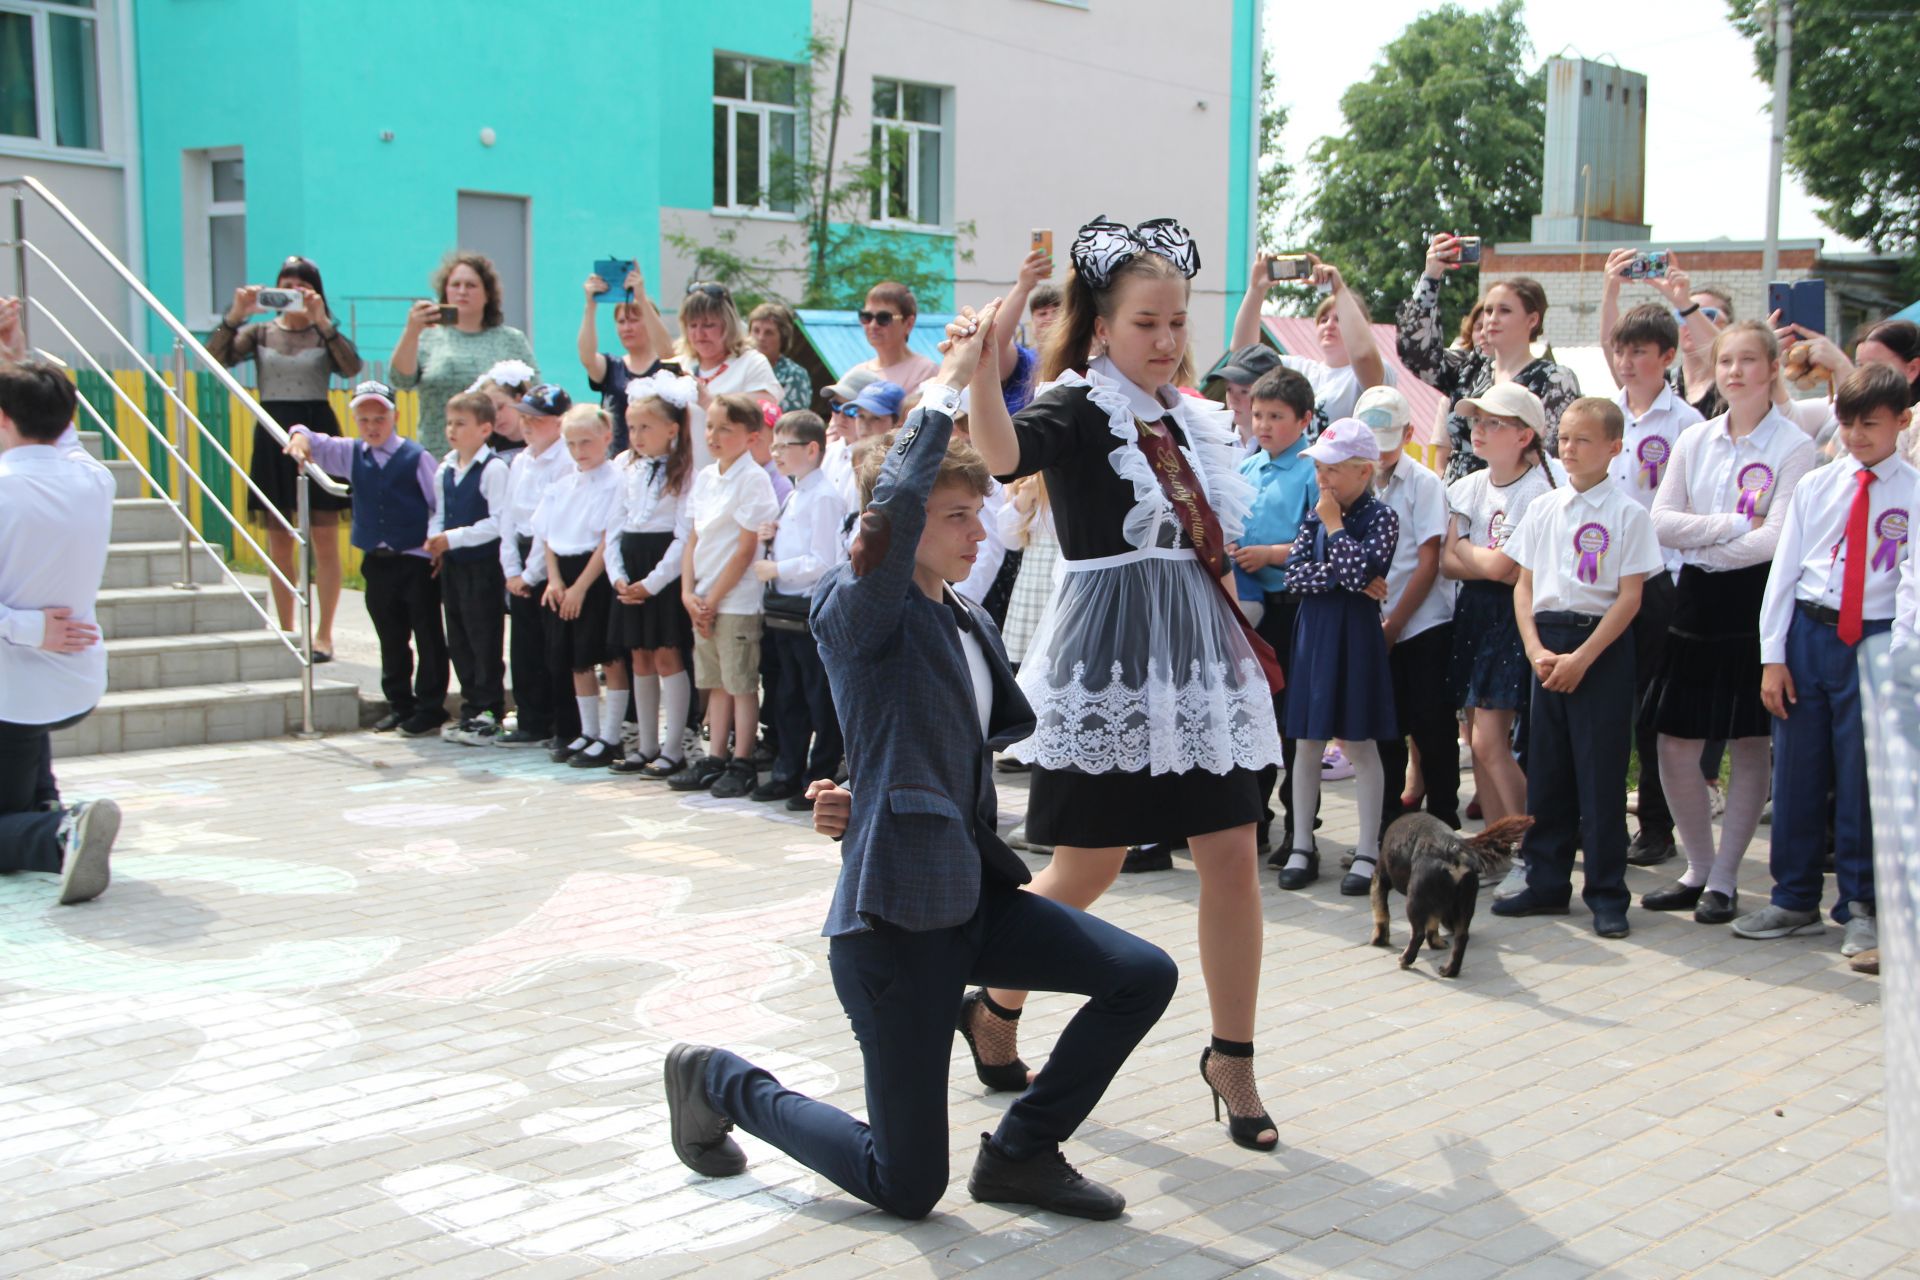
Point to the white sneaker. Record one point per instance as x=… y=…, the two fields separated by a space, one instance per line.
x=1862 y=932
x=86 y=837
x=1334 y=766
x=479 y=731
x=1516 y=881
x=451 y=731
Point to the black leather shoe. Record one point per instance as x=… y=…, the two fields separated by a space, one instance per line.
x=664 y=767
x=595 y=755
x=1304 y=876
x=564 y=751
x=775 y=789
x=1045 y=1181
x=699 y=775
x=1611 y=922
x=1716 y=908
x=1650 y=851
x=1529 y=902
x=1357 y=884
x=635 y=763
x=1147 y=857
x=699 y=1132
x=388 y=722
x=422 y=724
x=1675 y=897
x=737 y=781
x=800 y=804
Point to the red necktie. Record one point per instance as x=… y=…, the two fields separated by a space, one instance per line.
x=1853 y=580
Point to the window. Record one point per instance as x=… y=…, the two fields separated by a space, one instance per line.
x=50 y=74
x=214 y=226
x=909 y=150
x=756 y=135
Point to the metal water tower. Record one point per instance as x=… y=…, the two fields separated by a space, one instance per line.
x=1593 y=185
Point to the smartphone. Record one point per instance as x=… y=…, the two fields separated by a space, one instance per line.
x=1289 y=266
x=280 y=300
x=1469 y=250
x=447 y=315
x=614 y=272
x=1810 y=305
x=1648 y=266
x=1042 y=242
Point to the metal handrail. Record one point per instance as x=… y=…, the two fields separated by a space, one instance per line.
x=299 y=529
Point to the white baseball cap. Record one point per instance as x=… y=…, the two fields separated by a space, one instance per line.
x=1347 y=440
x=1387 y=414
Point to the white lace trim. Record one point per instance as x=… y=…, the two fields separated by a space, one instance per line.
x=1212 y=450
x=1200 y=723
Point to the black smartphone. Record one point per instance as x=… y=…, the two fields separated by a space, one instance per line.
x=448 y=315
x=1469 y=250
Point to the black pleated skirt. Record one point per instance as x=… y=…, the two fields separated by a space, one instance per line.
x=1708 y=682
x=660 y=622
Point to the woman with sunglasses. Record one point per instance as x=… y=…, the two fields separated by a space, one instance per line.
x=887 y=320
x=1153 y=697
x=715 y=352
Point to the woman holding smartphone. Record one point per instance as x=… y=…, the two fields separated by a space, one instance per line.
x=449 y=343
x=295 y=355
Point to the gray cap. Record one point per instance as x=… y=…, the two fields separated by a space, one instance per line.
x=850 y=387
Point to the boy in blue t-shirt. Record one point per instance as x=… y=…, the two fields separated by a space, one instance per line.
x=1282 y=406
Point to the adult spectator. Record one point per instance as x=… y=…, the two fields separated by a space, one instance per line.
x=770 y=329
x=1516 y=312
x=440 y=360
x=295 y=356
x=714 y=350
x=1703 y=313
x=1472 y=337
x=1349 y=361
x=56 y=510
x=887 y=320
x=643 y=341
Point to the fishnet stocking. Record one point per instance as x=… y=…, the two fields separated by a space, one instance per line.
x=996 y=1039
x=1233 y=1078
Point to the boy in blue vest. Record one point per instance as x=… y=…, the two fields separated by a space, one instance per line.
x=463 y=536
x=393 y=501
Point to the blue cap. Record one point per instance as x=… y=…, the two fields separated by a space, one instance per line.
x=882 y=398
x=546 y=401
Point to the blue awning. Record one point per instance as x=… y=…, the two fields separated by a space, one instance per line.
x=1907 y=313
x=837 y=338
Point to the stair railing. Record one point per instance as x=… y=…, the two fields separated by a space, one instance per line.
x=176 y=444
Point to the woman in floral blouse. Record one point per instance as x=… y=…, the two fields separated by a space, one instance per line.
x=1514 y=315
x=770 y=328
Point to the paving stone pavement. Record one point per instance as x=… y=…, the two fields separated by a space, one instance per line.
x=366 y=1007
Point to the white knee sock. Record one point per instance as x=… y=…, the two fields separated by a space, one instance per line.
x=1747 y=789
x=1370 y=786
x=646 y=705
x=1306 y=797
x=589 y=715
x=613 y=710
x=676 y=695
x=1691 y=807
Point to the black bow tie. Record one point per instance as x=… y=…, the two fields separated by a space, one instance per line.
x=653 y=469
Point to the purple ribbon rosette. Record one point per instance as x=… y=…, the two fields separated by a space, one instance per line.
x=1653 y=453
x=1754 y=480
x=1590 y=542
x=1892 y=528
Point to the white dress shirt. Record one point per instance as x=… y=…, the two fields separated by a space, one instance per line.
x=992 y=553
x=647 y=507
x=575 y=513
x=1810 y=562
x=806 y=538
x=1648 y=450
x=1697 y=507
x=56 y=517
x=493 y=488
x=529 y=476
x=725 y=504
x=1419 y=498
x=1604 y=530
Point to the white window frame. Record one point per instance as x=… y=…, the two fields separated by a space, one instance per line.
x=937 y=221
x=198 y=210
x=105 y=16
x=764 y=111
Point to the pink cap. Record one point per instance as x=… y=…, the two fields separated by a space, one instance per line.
x=1347 y=440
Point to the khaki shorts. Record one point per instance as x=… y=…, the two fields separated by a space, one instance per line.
x=729 y=659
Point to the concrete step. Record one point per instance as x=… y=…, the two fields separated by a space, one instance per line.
x=144 y=520
x=94 y=443
x=134 y=612
x=126 y=479
x=219 y=657
x=147 y=719
x=154 y=564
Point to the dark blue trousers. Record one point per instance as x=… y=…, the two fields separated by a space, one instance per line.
x=803 y=711
x=1577 y=771
x=1821 y=746
x=902 y=993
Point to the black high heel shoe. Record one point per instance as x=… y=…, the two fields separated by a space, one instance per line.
x=1005 y=1077
x=1244 y=1130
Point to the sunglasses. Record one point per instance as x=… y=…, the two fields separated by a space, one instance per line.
x=1711 y=313
x=881 y=318
x=718 y=292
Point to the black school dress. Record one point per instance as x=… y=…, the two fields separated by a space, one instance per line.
x=1153 y=712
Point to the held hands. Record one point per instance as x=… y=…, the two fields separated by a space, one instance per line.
x=1777 y=693
x=632 y=592
x=1565 y=672
x=966 y=346
x=832 y=807
x=64 y=634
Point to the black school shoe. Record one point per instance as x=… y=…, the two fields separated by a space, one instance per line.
x=521 y=738
x=597 y=754
x=630 y=763
x=1147 y=857
x=699 y=1132
x=664 y=767
x=1045 y=1181
x=699 y=775
x=389 y=722
x=1675 y=897
x=422 y=724
x=1608 y=922
x=1649 y=851
x=776 y=789
x=736 y=781
x=1716 y=908
x=1530 y=902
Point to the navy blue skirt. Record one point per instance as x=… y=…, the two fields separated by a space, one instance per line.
x=1339 y=684
x=1490 y=666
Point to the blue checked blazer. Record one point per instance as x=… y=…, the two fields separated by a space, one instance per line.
x=922 y=830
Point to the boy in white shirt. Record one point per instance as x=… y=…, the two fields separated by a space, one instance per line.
x=544 y=712
x=463 y=537
x=732 y=498
x=1834 y=581
x=1584 y=550
x=56 y=512
x=806 y=544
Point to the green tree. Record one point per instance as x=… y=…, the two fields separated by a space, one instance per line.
x=1447 y=134
x=1851 y=114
